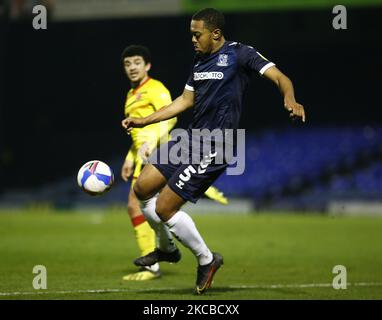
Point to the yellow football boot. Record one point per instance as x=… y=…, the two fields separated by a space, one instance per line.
x=142 y=275
x=214 y=194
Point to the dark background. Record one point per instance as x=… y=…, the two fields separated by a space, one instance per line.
x=62 y=90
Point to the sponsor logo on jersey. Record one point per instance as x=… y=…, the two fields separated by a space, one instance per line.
x=208 y=75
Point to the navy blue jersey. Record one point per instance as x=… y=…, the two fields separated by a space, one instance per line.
x=219 y=81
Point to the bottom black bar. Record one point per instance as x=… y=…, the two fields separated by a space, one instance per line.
x=195 y=309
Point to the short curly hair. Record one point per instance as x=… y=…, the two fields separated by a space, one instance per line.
x=137 y=50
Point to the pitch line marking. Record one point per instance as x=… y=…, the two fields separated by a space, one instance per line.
x=269 y=286
x=307 y=285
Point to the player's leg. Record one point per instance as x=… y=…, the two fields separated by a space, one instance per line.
x=150 y=181
x=145 y=237
x=181 y=224
x=165 y=240
x=188 y=184
x=167 y=205
x=183 y=227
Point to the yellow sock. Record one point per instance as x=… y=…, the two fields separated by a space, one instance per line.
x=144 y=235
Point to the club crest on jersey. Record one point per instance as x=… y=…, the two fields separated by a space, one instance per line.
x=222 y=60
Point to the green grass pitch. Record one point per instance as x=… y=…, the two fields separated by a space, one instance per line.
x=267 y=256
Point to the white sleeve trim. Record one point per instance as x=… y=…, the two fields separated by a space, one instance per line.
x=189 y=88
x=266 y=67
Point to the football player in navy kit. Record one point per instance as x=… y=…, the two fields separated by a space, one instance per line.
x=214 y=90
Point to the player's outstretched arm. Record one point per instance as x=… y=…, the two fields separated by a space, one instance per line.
x=286 y=87
x=180 y=104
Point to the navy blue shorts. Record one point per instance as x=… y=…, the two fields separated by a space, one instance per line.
x=188 y=179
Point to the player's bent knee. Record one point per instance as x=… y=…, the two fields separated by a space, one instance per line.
x=140 y=191
x=149 y=182
x=164 y=211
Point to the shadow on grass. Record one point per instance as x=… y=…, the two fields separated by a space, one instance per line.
x=166 y=273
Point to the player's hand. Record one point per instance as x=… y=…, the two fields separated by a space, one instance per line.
x=127 y=170
x=295 y=110
x=131 y=122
